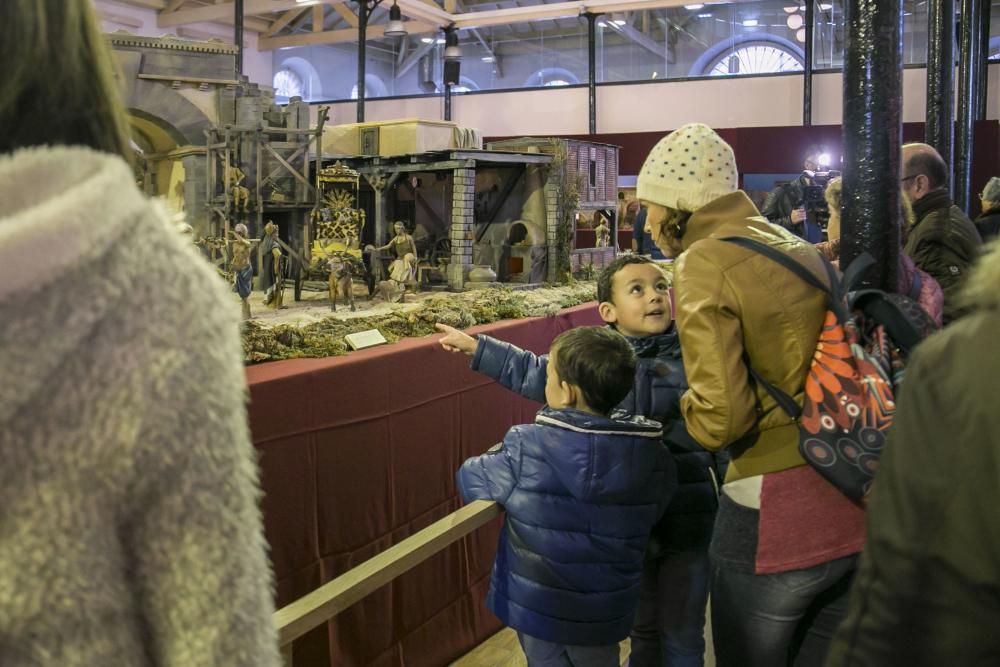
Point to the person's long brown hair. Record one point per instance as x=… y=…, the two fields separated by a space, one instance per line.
x=59 y=86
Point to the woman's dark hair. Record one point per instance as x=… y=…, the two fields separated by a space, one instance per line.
x=58 y=87
x=597 y=360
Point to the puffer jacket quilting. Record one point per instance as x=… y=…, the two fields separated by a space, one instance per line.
x=581 y=493
x=659 y=384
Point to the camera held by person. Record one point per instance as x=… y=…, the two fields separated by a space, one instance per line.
x=799 y=205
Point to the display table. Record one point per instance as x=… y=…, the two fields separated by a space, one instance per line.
x=360 y=451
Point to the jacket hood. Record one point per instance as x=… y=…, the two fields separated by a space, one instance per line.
x=600 y=458
x=68 y=212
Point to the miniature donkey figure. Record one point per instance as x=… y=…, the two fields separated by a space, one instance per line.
x=342 y=266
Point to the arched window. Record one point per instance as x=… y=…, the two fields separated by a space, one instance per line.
x=750 y=54
x=295 y=76
x=288 y=84
x=373 y=87
x=465 y=85
x=552 y=76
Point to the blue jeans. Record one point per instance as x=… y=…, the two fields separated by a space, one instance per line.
x=773 y=620
x=670 y=620
x=541 y=653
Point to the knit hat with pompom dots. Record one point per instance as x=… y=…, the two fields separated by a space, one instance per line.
x=687 y=169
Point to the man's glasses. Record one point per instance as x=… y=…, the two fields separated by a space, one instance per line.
x=909 y=178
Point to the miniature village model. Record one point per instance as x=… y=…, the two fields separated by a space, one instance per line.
x=372 y=213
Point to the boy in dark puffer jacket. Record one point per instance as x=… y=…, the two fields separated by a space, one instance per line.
x=634 y=299
x=581 y=491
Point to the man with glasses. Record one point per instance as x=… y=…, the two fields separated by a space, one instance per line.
x=988 y=223
x=942 y=240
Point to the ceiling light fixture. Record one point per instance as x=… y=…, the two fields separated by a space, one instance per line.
x=750 y=23
x=451 y=48
x=694 y=8
x=395 y=27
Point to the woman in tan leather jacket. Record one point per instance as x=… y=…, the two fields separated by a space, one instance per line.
x=786 y=541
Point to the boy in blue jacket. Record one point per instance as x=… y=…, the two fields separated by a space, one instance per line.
x=633 y=296
x=581 y=491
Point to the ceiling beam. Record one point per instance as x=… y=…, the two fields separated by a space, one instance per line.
x=223 y=12
x=627 y=30
x=342 y=36
x=413 y=59
x=284 y=20
x=429 y=12
x=350 y=17
x=148 y=4
x=319 y=17
x=173 y=6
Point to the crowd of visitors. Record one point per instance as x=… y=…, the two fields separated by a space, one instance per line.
x=667 y=467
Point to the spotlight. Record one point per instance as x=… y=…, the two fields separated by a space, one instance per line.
x=451 y=49
x=395 y=28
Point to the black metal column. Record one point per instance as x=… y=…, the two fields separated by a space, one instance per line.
x=238 y=35
x=873 y=72
x=807 y=71
x=982 y=64
x=970 y=44
x=592 y=70
x=939 y=130
x=447 y=101
x=363 y=12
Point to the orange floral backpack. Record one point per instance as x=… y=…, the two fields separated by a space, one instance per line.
x=850 y=390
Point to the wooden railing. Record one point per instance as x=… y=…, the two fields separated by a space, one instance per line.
x=330 y=599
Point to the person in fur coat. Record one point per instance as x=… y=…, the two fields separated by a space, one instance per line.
x=130 y=532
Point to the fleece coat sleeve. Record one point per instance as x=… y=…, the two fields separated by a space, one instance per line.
x=196 y=534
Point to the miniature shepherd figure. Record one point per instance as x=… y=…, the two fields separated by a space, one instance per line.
x=240 y=251
x=272 y=277
x=241 y=194
x=341 y=279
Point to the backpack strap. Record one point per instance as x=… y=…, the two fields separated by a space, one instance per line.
x=784 y=401
x=781 y=258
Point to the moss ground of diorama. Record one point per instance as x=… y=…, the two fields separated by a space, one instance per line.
x=309 y=328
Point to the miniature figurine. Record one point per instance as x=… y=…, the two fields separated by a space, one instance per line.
x=602 y=234
x=402 y=244
x=240 y=252
x=241 y=194
x=272 y=277
x=402 y=274
x=341 y=279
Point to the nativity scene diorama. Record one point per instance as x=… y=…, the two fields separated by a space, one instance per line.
x=307 y=223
